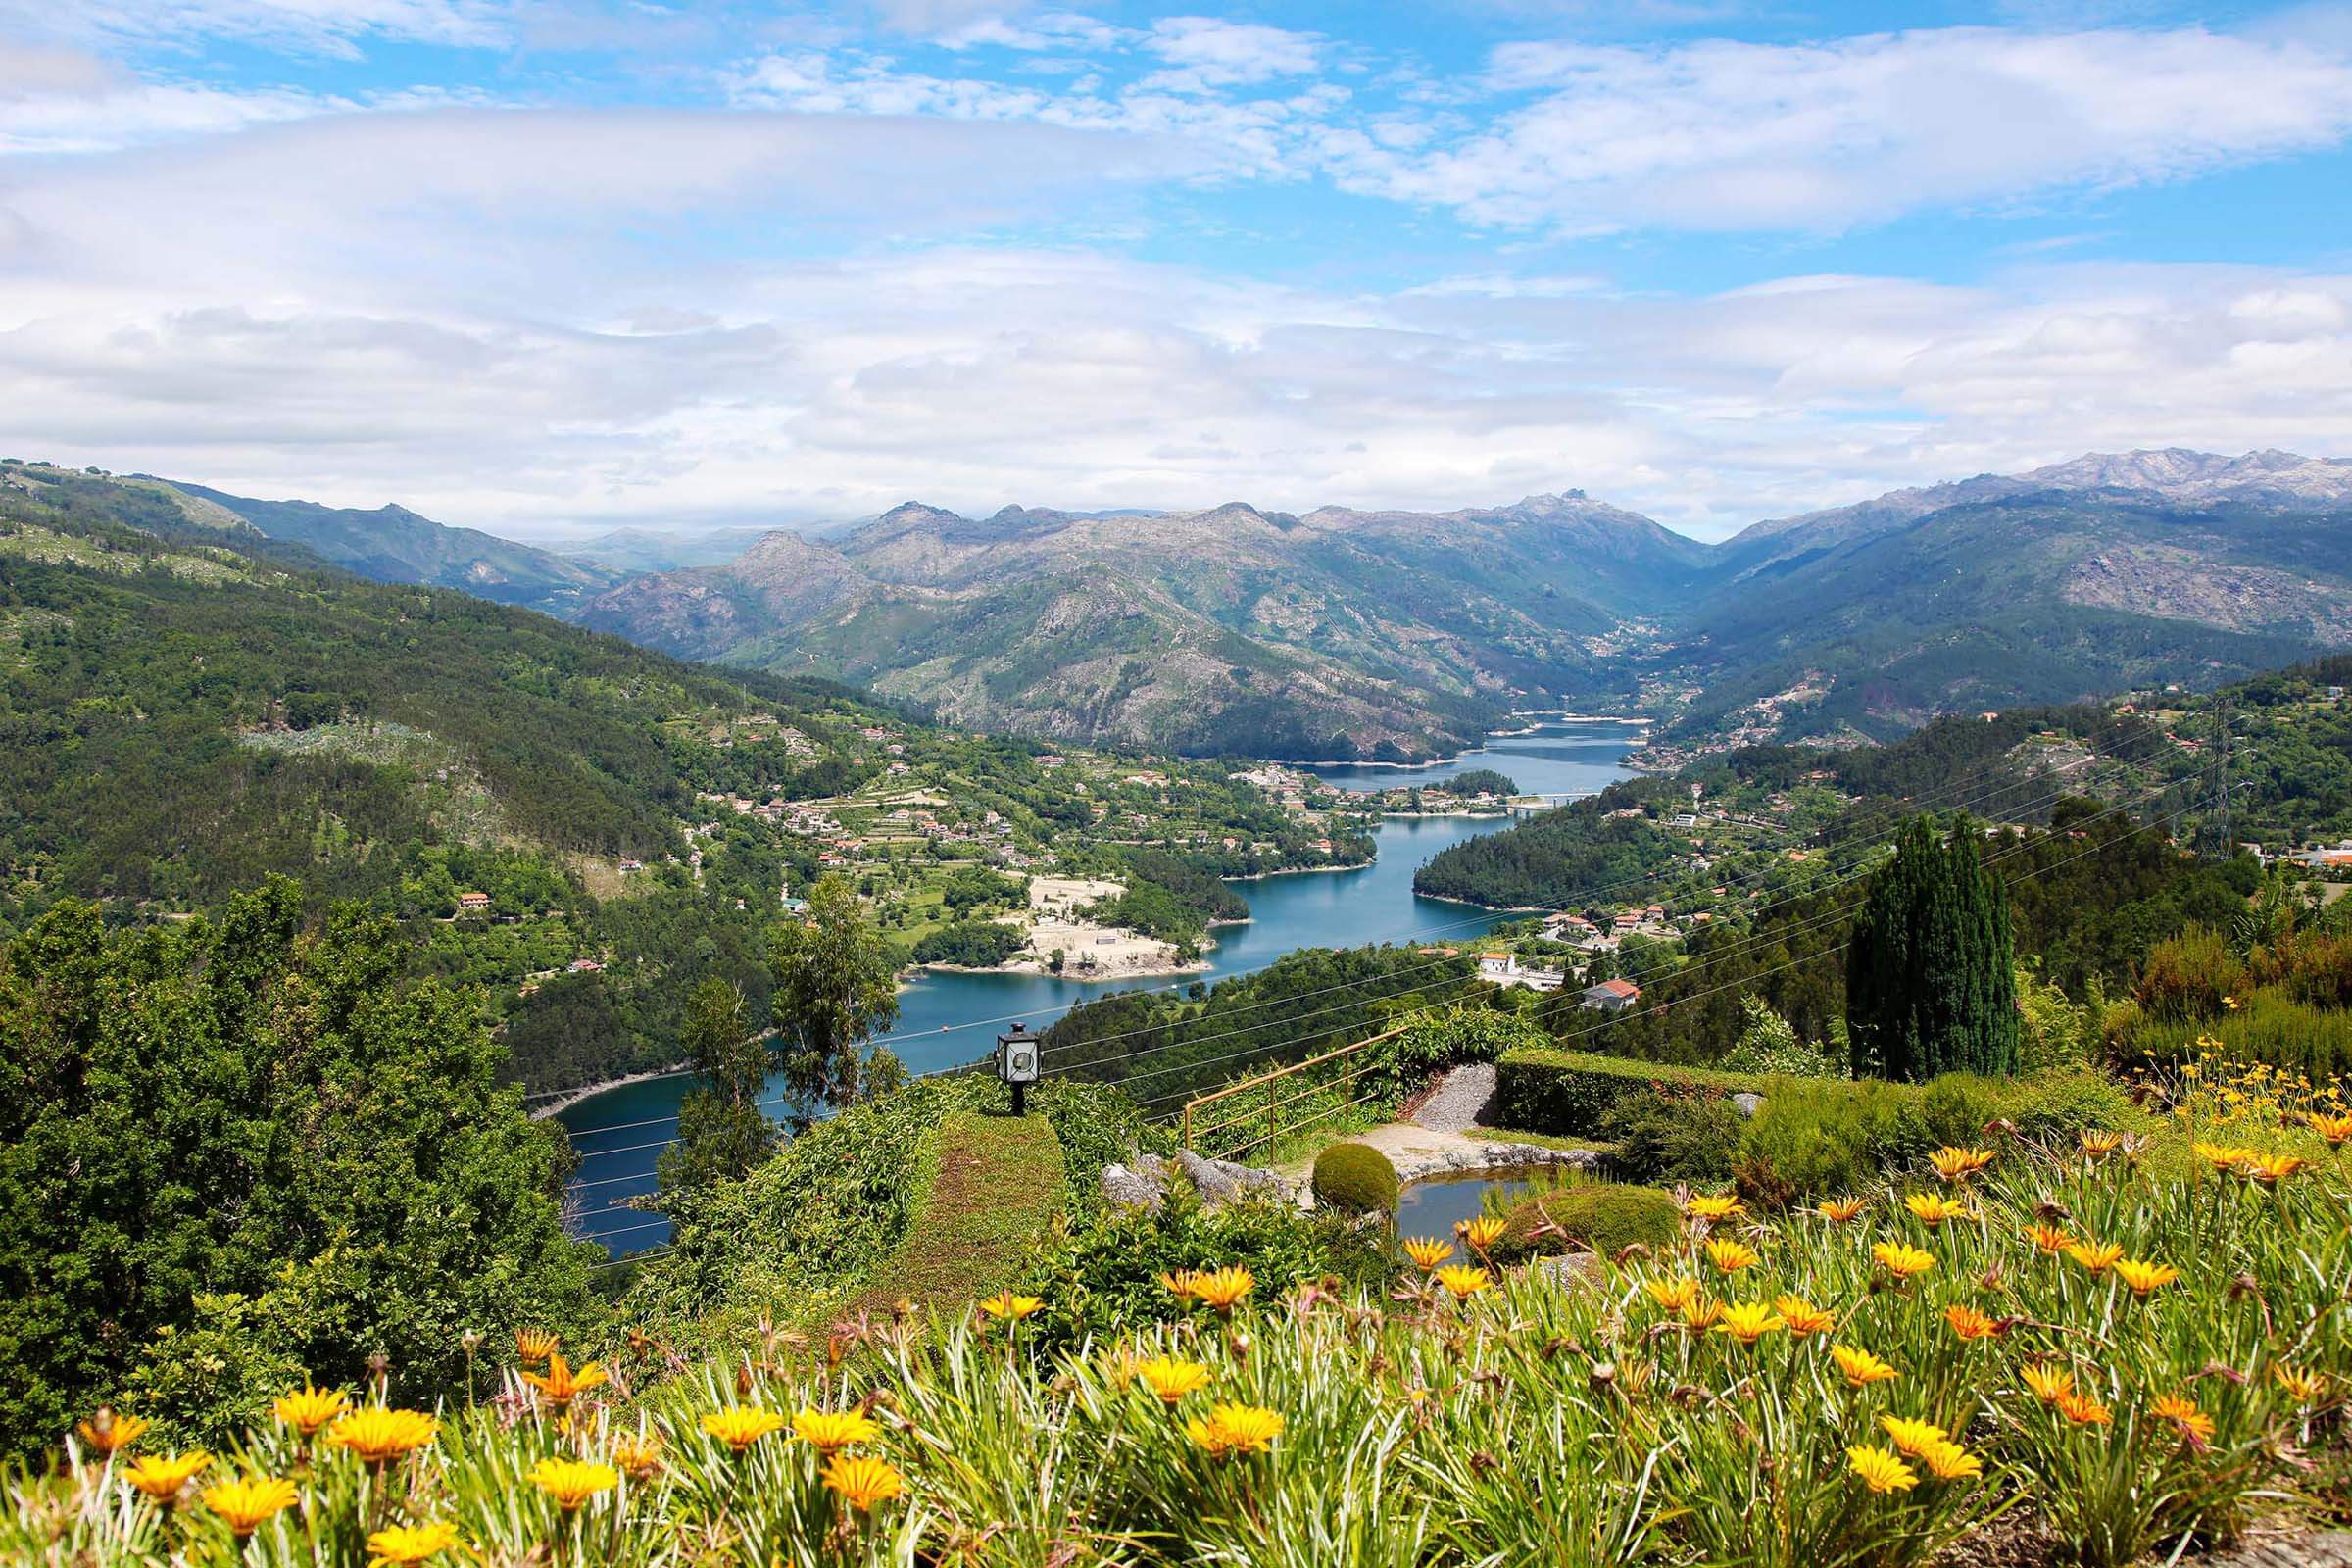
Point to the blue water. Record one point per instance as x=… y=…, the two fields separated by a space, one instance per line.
x=1434 y=1207
x=946 y=1019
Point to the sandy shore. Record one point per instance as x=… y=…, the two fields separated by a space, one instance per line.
x=571 y=1097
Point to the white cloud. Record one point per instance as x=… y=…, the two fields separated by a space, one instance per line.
x=1729 y=135
x=336 y=27
x=1207 y=53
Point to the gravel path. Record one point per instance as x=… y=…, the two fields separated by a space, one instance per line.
x=2327 y=1548
x=1460 y=1101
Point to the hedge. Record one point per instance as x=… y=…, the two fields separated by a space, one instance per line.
x=1601 y=1217
x=1355 y=1178
x=1566 y=1093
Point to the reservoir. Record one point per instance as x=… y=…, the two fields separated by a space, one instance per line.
x=944 y=1019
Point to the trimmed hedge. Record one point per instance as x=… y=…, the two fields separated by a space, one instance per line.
x=1604 y=1217
x=1355 y=1178
x=1568 y=1093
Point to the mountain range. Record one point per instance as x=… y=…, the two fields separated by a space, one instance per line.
x=1392 y=635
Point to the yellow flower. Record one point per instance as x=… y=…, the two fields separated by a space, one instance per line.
x=2301 y=1385
x=829 y=1432
x=1970 y=1324
x=1007 y=1307
x=1172 y=1380
x=561 y=1384
x=1233 y=1428
x=1934 y=1208
x=1803 y=1317
x=2144 y=1277
x=1427 y=1252
x=739 y=1426
x=1712 y=1208
x=1861 y=1368
x=2085 y=1411
x=109 y=1432
x=2183 y=1413
x=639 y=1456
x=1222 y=1289
x=2221 y=1156
x=2272 y=1169
x=1481 y=1233
x=1959 y=1164
x=1841 y=1210
x=572 y=1482
x=1730 y=1257
x=161 y=1476
x=1912 y=1436
x=308 y=1408
x=2049 y=1239
x=1672 y=1294
x=375 y=1435
x=405 y=1544
x=2097 y=1143
x=1179 y=1282
x=1699 y=1313
x=1904 y=1261
x=2049 y=1384
x=1463 y=1281
x=248 y=1502
x=1881 y=1471
x=535 y=1344
x=2096 y=1257
x=1748 y=1321
x=2338 y=1130
x=1948 y=1461
x=862 y=1481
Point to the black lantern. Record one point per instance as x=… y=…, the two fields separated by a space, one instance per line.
x=1016 y=1064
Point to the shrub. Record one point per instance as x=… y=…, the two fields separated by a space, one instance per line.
x=1769 y=1045
x=1812 y=1138
x=2268 y=1027
x=1568 y=1093
x=1603 y=1217
x=1666 y=1140
x=2186 y=976
x=2053 y=1107
x=1103 y=1278
x=1355 y=1178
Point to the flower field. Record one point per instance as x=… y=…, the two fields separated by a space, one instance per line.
x=2066 y=1349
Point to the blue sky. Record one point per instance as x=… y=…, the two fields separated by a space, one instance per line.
x=548 y=265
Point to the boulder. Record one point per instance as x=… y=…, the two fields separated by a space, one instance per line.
x=1568 y=1271
x=1144 y=1183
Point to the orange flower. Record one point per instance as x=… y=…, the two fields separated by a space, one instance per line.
x=1804 y=1318
x=2049 y=1384
x=2085 y=1411
x=1749 y=1321
x=2096 y=1257
x=1233 y=1428
x=535 y=1344
x=308 y=1408
x=2049 y=1239
x=1959 y=1164
x=1901 y=1260
x=863 y=1481
x=164 y=1475
x=1861 y=1368
x=1970 y=1324
x=376 y=1436
x=829 y=1432
x=1007 y=1307
x=1427 y=1253
x=2301 y=1386
x=2272 y=1169
x=1222 y=1289
x=2098 y=1143
x=1463 y=1281
x=1481 y=1233
x=1881 y=1471
x=1948 y=1461
x=1841 y=1210
x=2183 y=1413
x=248 y=1502
x=1712 y=1208
x=2336 y=1129
x=1672 y=1294
x=1912 y=1436
x=1932 y=1209
x=739 y=1426
x=1179 y=1283
x=1730 y=1257
x=107 y=1432
x=638 y=1456
x=561 y=1385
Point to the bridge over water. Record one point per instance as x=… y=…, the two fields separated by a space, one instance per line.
x=1538 y=804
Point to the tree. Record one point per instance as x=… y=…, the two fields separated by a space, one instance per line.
x=837 y=983
x=1931 y=978
x=723 y=1133
x=243 y=1133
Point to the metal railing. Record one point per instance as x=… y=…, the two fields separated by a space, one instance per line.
x=1243 y=1086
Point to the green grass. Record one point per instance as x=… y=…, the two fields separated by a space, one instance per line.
x=995 y=1185
x=1514 y=1135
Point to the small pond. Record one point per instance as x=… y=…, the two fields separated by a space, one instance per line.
x=1434 y=1207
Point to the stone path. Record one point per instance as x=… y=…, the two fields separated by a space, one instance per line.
x=1460 y=1101
x=2325 y=1548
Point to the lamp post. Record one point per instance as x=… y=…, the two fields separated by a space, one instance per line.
x=1016 y=1064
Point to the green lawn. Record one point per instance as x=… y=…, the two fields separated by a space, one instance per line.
x=995 y=1185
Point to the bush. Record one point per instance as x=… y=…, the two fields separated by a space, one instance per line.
x=1668 y=1140
x=1603 y=1217
x=971 y=945
x=1355 y=1178
x=1568 y=1093
x=2186 y=976
x=2268 y=1027
x=1769 y=1045
x=1102 y=1278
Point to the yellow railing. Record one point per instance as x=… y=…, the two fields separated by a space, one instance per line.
x=1243 y=1086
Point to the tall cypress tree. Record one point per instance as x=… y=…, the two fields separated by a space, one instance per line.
x=1931 y=978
